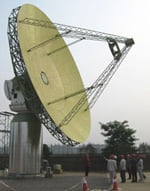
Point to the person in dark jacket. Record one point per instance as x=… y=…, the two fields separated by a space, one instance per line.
x=87 y=162
x=128 y=159
x=134 y=168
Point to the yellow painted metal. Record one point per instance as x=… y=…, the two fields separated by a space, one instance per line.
x=53 y=76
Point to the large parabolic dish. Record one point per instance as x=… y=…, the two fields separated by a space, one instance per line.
x=44 y=77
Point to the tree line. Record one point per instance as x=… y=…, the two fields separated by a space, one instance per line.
x=120 y=139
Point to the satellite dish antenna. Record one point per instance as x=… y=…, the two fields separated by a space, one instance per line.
x=47 y=83
x=44 y=76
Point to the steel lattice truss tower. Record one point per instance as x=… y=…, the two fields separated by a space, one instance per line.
x=5 y=119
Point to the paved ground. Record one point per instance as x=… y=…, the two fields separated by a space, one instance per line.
x=69 y=182
x=139 y=186
x=61 y=182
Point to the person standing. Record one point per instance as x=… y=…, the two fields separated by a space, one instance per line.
x=134 y=168
x=122 y=167
x=140 y=168
x=87 y=163
x=111 y=168
x=128 y=161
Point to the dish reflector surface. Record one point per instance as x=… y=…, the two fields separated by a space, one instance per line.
x=53 y=76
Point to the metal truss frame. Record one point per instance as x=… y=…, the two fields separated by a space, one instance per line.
x=5 y=119
x=92 y=93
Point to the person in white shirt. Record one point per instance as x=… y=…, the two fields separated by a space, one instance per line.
x=140 y=168
x=122 y=168
x=111 y=168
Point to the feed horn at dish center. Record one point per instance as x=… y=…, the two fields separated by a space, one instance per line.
x=47 y=87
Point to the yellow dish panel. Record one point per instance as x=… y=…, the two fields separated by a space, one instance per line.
x=53 y=76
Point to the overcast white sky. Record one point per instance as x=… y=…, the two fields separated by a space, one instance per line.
x=127 y=97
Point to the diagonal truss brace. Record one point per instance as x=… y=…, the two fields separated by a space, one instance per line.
x=75 y=32
x=94 y=91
